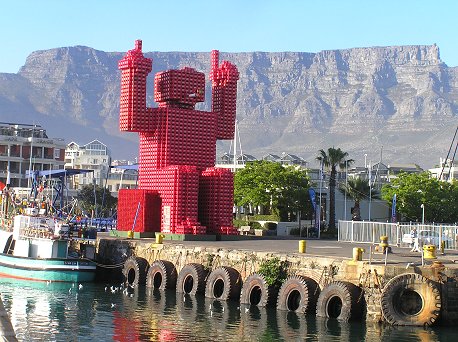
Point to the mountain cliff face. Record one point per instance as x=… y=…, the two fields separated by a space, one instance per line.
x=403 y=98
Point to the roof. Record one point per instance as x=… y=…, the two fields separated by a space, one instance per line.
x=58 y=173
x=126 y=167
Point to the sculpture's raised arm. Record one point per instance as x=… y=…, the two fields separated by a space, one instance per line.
x=224 y=95
x=134 y=115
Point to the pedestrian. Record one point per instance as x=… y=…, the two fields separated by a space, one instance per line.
x=414 y=237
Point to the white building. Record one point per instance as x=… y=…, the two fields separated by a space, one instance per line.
x=91 y=156
x=447 y=170
x=27 y=147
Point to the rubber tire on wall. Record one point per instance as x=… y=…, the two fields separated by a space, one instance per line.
x=429 y=292
x=268 y=293
x=350 y=296
x=308 y=290
x=167 y=272
x=231 y=280
x=198 y=274
x=137 y=265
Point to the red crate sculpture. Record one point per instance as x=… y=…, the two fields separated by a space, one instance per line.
x=178 y=147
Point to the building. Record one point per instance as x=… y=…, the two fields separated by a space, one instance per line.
x=123 y=175
x=92 y=156
x=447 y=170
x=27 y=148
x=226 y=160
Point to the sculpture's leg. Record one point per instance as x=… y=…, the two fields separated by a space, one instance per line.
x=216 y=201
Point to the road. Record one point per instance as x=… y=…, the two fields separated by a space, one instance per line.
x=329 y=248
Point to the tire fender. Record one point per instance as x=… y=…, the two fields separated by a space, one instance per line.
x=162 y=275
x=298 y=294
x=223 y=283
x=411 y=299
x=256 y=291
x=134 y=271
x=191 y=279
x=341 y=300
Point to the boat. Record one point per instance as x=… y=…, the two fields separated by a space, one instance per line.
x=37 y=246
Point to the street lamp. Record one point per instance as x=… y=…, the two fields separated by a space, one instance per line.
x=369 y=171
x=346 y=189
x=422 y=214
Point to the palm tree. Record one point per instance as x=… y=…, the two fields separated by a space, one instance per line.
x=331 y=160
x=358 y=189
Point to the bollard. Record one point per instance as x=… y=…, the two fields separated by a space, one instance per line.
x=429 y=252
x=443 y=247
x=130 y=234
x=358 y=254
x=159 y=238
x=383 y=245
x=302 y=246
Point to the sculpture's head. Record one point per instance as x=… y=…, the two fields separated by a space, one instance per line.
x=183 y=87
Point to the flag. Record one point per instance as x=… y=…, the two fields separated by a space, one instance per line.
x=393 y=210
x=312 y=198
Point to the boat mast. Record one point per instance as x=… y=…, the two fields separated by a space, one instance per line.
x=30 y=160
x=235 y=146
x=448 y=154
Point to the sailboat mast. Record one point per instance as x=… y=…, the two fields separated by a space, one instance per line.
x=235 y=146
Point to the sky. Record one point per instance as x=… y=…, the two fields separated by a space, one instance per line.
x=229 y=26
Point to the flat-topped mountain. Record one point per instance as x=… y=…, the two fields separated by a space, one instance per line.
x=403 y=98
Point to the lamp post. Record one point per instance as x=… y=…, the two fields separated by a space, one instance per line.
x=346 y=189
x=370 y=188
x=422 y=214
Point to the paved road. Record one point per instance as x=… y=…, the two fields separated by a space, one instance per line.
x=328 y=248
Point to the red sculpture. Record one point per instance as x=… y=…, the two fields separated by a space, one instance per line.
x=180 y=191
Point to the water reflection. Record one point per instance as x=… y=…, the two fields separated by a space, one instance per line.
x=107 y=312
x=292 y=326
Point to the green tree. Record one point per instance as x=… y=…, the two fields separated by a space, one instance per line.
x=272 y=185
x=332 y=159
x=101 y=204
x=440 y=199
x=358 y=189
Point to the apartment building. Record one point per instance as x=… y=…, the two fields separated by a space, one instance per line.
x=26 y=147
x=91 y=156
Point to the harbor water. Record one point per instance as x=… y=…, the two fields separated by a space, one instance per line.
x=111 y=312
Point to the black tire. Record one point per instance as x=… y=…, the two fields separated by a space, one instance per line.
x=341 y=300
x=411 y=299
x=298 y=294
x=191 y=279
x=162 y=275
x=223 y=283
x=134 y=271
x=256 y=291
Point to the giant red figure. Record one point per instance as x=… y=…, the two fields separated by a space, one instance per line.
x=180 y=190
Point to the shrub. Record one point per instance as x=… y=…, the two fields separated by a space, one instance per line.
x=266 y=218
x=239 y=223
x=274 y=271
x=255 y=225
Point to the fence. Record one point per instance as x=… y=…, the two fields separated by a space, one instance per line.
x=398 y=233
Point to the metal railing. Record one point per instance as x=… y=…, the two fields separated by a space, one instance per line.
x=398 y=233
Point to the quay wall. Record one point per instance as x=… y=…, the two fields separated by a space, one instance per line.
x=371 y=277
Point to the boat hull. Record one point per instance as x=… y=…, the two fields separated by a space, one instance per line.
x=53 y=269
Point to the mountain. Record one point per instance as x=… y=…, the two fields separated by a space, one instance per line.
x=403 y=98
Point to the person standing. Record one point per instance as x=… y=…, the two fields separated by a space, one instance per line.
x=414 y=237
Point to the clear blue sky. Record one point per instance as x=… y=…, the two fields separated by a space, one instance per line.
x=231 y=26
